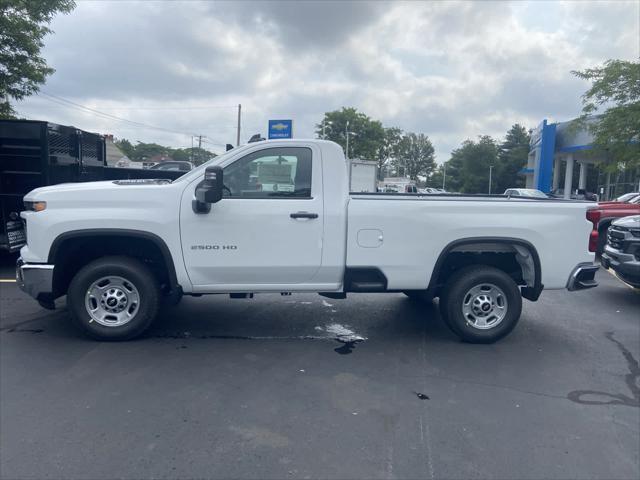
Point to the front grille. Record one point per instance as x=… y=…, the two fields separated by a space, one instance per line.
x=615 y=237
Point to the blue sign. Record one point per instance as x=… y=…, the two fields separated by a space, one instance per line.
x=280 y=129
x=542 y=147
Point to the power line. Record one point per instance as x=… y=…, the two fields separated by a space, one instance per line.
x=77 y=106
x=200 y=107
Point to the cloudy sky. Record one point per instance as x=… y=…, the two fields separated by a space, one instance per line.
x=450 y=70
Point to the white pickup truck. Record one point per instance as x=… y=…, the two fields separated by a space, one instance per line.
x=277 y=217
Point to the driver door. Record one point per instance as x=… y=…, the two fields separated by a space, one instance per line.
x=267 y=229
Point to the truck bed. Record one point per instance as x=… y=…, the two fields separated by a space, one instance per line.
x=403 y=234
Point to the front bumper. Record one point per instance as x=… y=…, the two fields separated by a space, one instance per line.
x=36 y=279
x=624 y=264
x=582 y=277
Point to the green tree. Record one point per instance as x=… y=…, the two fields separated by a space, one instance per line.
x=23 y=26
x=388 y=150
x=468 y=168
x=415 y=156
x=126 y=147
x=366 y=136
x=435 y=180
x=512 y=157
x=615 y=97
x=196 y=155
x=142 y=151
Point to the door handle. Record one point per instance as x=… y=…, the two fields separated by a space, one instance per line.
x=303 y=215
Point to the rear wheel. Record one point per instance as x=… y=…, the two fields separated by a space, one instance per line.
x=481 y=304
x=113 y=298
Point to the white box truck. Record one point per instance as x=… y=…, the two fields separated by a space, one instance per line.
x=363 y=175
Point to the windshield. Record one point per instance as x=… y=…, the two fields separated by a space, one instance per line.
x=627 y=197
x=534 y=193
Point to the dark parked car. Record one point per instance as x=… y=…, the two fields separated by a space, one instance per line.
x=578 y=195
x=622 y=251
x=173 y=166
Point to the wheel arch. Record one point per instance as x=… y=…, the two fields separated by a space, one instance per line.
x=109 y=241
x=530 y=266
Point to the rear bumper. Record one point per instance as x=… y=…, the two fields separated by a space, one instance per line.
x=583 y=277
x=36 y=279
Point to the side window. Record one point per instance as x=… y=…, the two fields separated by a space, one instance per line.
x=274 y=172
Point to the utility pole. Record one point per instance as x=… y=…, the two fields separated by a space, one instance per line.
x=490 y=169
x=346 y=134
x=444 y=176
x=239 y=117
x=199 y=147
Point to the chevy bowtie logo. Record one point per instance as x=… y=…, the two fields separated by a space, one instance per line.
x=279 y=126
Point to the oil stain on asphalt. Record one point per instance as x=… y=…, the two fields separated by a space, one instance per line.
x=595 y=397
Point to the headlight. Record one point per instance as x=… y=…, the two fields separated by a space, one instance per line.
x=35 y=206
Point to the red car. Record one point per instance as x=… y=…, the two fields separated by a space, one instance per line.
x=605 y=213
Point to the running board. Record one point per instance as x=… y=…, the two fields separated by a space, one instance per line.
x=364 y=279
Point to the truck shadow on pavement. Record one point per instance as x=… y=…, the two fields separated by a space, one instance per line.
x=349 y=324
x=594 y=397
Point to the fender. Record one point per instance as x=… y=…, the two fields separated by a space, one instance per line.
x=120 y=232
x=529 y=292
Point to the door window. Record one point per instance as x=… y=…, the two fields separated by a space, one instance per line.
x=271 y=173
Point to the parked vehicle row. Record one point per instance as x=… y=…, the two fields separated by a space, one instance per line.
x=622 y=250
x=602 y=216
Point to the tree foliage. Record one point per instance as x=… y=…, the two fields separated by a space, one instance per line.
x=468 y=168
x=512 y=157
x=415 y=156
x=23 y=26
x=615 y=97
x=405 y=153
x=388 y=150
x=143 y=151
x=366 y=136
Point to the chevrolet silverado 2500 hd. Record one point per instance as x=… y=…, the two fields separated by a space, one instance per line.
x=277 y=216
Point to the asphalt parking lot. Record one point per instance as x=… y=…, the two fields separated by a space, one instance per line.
x=262 y=389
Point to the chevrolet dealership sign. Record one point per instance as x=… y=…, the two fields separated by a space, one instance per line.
x=280 y=129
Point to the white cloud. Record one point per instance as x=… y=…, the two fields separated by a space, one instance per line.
x=450 y=70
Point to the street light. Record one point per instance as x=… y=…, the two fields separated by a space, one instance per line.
x=490 y=170
x=346 y=134
x=324 y=125
x=444 y=176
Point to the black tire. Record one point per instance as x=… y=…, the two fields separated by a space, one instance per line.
x=442 y=307
x=602 y=239
x=456 y=295
x=136 y=274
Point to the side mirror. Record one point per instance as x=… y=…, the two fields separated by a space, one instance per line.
x=209 y=191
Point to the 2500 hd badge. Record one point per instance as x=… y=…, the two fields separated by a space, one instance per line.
x=214 y=247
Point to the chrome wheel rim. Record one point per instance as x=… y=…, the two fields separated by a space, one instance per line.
x=484 y=306
x=112 y=301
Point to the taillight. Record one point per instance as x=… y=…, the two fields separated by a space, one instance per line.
x=593 y=215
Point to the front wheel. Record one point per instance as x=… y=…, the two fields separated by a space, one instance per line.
x=481 y=304
x=113 y=298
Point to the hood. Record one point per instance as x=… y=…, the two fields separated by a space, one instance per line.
x=622 y=205
x=104 y=186
x=628 y=222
